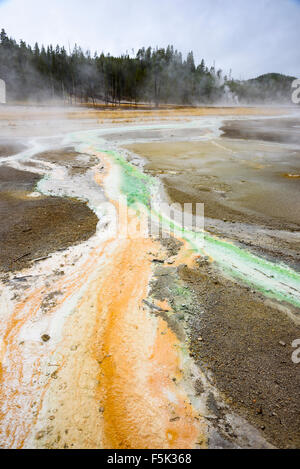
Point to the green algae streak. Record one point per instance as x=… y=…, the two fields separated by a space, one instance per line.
x=276 y=281
x=136 y=186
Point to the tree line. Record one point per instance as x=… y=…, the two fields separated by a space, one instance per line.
x=159 y=75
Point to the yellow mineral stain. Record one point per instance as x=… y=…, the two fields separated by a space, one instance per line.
x=186 y=255
x=292 y=176
x=163 y=305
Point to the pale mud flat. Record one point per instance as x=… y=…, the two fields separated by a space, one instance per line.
x=249 y=189
x=125 y=343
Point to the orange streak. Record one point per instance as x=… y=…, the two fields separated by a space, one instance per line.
x=140 y=363
x=136 y=355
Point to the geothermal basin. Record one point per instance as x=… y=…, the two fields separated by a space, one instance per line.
x=184 y=341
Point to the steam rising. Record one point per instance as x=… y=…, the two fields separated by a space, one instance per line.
x=2 y=92
x=154 y=76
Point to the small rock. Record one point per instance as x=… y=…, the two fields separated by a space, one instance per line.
x=40 y=435
x=45 y=337
x=282 y=343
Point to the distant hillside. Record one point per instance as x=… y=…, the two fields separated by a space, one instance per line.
x=268 y=88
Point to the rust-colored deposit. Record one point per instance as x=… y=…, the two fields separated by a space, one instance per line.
x=140 y=363
x=111 y=375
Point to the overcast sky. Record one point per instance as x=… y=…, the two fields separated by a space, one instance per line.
x=250 y=37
